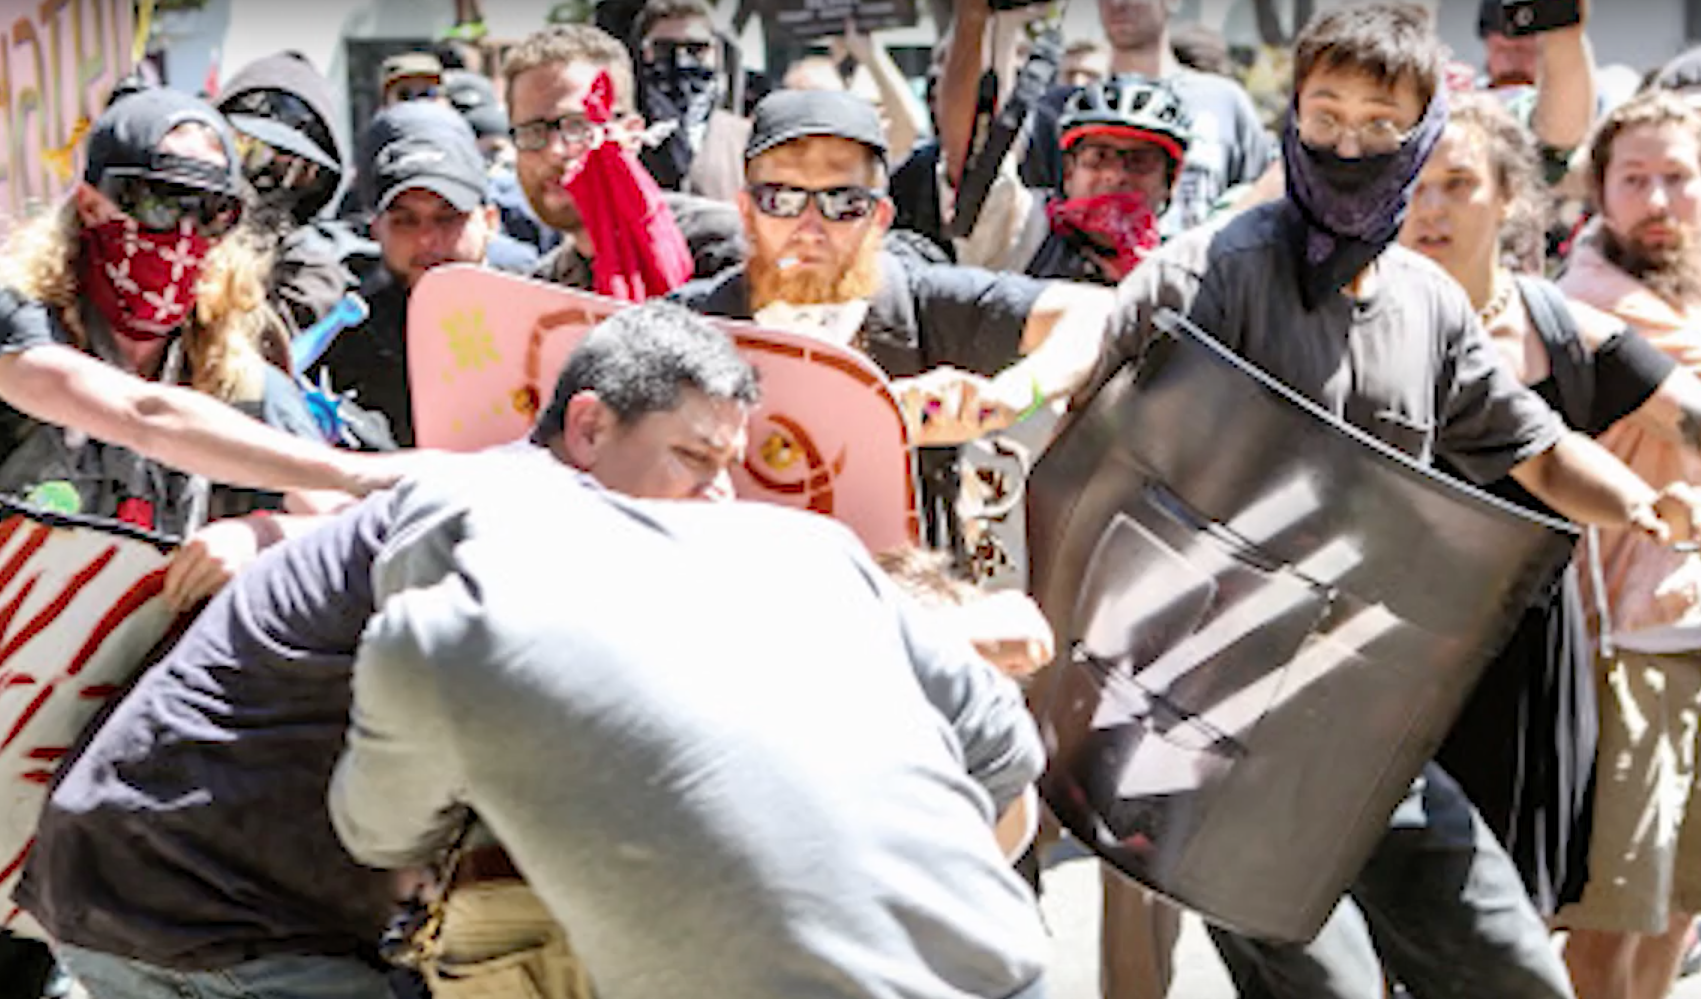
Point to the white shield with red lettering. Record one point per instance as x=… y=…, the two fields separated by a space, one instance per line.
x=80 y=609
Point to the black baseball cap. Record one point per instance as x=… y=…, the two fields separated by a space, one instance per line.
x=785 y=115
x=125 y=139
x=423 y=145
x=474 y=97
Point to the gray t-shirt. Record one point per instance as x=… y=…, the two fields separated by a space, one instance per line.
x=1410 y=364
x=723 y=750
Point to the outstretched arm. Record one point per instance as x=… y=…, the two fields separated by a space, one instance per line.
x=179 y=426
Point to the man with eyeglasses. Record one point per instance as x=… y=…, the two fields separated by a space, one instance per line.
x=1124 y=142
x=1313 y=290
x=549 y=75
x=972 y=350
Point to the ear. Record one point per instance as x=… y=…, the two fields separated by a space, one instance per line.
x=92 y=206
x=586 y=430
x=884 y=213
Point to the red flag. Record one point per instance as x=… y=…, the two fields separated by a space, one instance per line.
x=640 y=252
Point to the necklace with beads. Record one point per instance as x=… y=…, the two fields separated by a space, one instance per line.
x=1497 y=305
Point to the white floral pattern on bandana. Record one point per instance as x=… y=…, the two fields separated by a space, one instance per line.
x=151 y=276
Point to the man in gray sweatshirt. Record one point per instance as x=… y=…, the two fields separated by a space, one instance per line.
x=726 y=753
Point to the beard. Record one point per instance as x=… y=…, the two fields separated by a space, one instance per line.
x=770 y=283
x=1672 y=272
x=562 y=215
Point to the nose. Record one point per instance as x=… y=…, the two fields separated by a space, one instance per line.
x=1349 y=138
x=718 y=488
x=1659 y=195
x=1427 y=199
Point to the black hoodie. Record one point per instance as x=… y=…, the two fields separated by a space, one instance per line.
x=293 y=74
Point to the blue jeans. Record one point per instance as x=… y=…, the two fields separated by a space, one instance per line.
x=283 y=976
x=1440 y=902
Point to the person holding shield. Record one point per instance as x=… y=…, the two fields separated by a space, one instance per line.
x=1312 y=290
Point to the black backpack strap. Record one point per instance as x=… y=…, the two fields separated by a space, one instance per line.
x=1573 y=370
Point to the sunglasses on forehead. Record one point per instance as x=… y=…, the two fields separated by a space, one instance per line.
x=836 y=204
x=162 y=206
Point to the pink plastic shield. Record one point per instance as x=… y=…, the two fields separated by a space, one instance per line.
x=484 y=350
x=80 y=611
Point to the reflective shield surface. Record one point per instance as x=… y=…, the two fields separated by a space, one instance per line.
x=1267 y=622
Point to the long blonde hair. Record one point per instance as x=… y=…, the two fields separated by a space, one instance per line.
x=221 y=341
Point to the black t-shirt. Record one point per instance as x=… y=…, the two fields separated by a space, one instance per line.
x=35 y=456
x=371 y=359
x=921 y=317
x=191 y=829
x=1627 y=371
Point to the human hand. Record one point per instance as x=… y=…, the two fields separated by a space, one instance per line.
x=1669 y=518
x=948 y=406
x=1009 y=631
x=855 y=42
x=213 y=556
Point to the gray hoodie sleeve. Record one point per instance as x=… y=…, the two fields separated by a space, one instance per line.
x=1000 y=743
x=395 y=796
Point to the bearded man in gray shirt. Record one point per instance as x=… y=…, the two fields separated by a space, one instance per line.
x=1311 y=290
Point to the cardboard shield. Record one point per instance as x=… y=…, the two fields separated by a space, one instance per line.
x=484 y=350
x=1267 y=623
x=80 y=611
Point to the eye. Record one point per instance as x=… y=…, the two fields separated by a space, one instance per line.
x=1460 y=185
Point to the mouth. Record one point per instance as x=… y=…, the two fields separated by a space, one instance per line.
x=1432 y=243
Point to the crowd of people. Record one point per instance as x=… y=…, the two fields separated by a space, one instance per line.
x=500 y=724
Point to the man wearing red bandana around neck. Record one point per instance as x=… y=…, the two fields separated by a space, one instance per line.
x=1124 y=140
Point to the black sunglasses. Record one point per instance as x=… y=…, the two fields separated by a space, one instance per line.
x=161 y=206
x=836 y=204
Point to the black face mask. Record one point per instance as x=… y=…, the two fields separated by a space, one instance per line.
x=679 y=76
x=1348 y=176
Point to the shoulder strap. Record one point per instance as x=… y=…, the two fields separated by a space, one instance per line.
x=1573 y=373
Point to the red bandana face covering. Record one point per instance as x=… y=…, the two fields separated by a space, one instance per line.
x=142 y=282
x=1121 y=227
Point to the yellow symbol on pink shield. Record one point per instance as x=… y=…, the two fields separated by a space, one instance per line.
x=471 y=346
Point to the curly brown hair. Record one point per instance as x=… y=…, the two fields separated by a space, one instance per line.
x=565 y=43
x=222 y=341
x=1515 y=160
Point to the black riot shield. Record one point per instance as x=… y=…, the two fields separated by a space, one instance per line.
x=1267 y=621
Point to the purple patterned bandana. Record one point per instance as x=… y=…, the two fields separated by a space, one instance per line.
x=1351 y=209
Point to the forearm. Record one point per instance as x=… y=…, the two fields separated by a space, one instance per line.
x=1585 y=483
x=959 y=86
x=1565 y=89
x=174 y=425
x=906 y=119
x=1064 y=336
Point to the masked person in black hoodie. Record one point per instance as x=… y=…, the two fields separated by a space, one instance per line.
x=283 y=112
x=682 y=82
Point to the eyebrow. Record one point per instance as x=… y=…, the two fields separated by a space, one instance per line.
x=1382 y=99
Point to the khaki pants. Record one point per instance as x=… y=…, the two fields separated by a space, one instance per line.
x=1136 y=939
x=1645 y=849
x=499 y=942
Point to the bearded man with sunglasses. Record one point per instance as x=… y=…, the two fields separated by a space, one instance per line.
x=972 y=350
